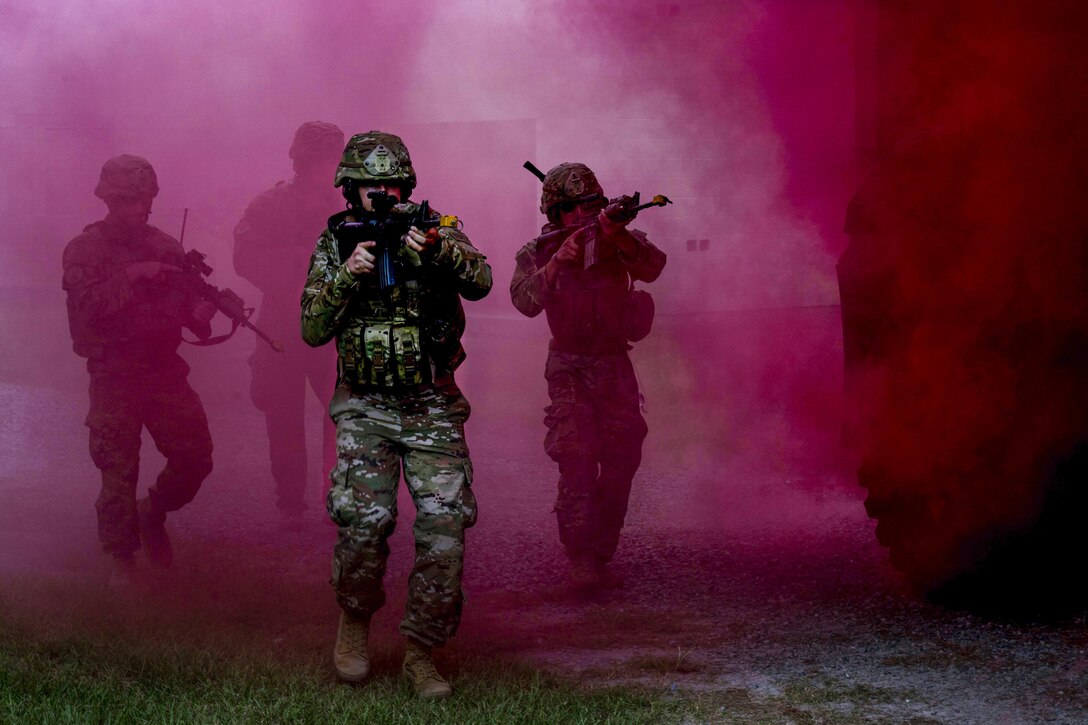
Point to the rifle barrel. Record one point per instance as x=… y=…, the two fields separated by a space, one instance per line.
x=534 y=170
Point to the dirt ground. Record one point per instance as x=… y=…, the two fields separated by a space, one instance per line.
x=744 y=583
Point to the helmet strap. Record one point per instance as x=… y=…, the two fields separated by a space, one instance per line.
x=351 y=195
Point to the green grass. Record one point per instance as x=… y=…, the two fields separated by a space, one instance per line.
x=124 y=676
x=214 y=645
x=190 y=649
x=83 y=680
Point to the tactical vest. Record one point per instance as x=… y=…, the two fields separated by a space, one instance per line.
x=585 y=311
x=150 y=325
x=407 y=335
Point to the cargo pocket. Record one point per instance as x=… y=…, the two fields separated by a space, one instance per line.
x=561 y=435
x=340 y=503
x=470 y=510
x=336 y=569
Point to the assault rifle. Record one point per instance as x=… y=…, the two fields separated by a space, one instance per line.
x=195 y=269
x=386 y=224
x=621 y=209
x=226 y=301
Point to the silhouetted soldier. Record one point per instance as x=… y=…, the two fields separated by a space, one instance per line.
x=595 y=428
x=272 y=245
x=126 y=310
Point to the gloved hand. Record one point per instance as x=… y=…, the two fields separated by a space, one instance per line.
x=203 y=312
x=422 y=243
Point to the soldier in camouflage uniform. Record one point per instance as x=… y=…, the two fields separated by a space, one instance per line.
x=595 y=428
x=272 y=243
x=396 y=405
x=126 y=310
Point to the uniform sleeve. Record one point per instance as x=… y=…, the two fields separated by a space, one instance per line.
x=98 y=296
x=254 y=259
x=528 y=288
x=648 y=261
x=469 y=267
x=329 y=286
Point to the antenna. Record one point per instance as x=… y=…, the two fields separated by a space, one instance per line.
x=534 y=170
x=184 y=218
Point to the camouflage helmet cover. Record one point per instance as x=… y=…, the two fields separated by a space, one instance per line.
x=316 y=138
x=376 y=157
x=127 y=176
x=568 y=182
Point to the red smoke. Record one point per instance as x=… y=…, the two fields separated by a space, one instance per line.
x=964 y=289
x=743 y=113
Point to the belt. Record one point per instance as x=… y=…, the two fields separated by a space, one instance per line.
x=441 y=379
x=589 y=345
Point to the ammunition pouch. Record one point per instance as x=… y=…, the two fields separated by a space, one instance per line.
x=638 y=314
x=442 y=341
x=383 y=355
x=470 y=509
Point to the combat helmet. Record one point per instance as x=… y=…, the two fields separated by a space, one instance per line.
x=316 y=138
x=376 y=157
x=568 y=182
x=127 y=176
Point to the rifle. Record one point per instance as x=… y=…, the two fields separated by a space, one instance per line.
x=386 y=225
x=621 y=209
x=227 y=301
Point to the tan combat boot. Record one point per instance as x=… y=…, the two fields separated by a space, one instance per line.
x=122 y=575
x=584 y=574
x=420 y=670
x=349 y=656
x=608 y=578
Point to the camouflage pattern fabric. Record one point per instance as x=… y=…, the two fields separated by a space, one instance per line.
x=127 y=176
x=376 y=157
x=121 y=405
x=377 y=434
x=383 y=428
x=129 y=333
x=595 y=434
x=568 y=182
x=595 y=429
x=337 y=304
x=112 y=319
x=586 y=304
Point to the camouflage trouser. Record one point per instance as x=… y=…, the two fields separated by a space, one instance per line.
x=595 y=434
x=278 y=389
x=375 y=434
x=121 y=406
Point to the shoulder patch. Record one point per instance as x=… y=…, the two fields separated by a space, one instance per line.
x=73 y=277
x=460 y=238
x=454 y=234
x=526 y=256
